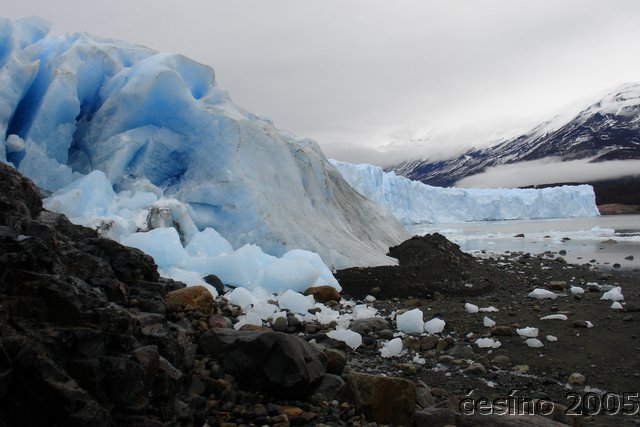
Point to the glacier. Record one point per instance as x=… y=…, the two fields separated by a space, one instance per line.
x=413 y=202
x=169 y=141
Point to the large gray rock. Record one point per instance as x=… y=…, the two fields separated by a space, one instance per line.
x=272 y=362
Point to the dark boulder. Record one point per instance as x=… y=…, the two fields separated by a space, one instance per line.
x=272 y=362
x=84 y=339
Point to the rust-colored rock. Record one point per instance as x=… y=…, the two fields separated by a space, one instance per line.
x=324 y=293
x=193 y=298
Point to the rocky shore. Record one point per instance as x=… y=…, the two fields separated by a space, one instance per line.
x=91 y=335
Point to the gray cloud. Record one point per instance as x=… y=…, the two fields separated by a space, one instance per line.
x=364 y=76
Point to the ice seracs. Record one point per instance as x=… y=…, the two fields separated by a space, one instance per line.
x=72 y=104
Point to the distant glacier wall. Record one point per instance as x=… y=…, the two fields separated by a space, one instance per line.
x=413 y=202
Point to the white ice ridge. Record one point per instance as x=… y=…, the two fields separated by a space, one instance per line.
x=76 y=103
x=413 y=202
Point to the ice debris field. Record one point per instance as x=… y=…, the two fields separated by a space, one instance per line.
x=147 y=149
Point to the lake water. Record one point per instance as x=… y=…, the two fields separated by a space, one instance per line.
x=607 y=239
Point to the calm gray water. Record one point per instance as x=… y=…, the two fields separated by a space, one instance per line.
x=608 y=239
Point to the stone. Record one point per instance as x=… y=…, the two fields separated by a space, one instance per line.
x=429 y=342
x=461 y=351
x=336 y=361
x=442 y=345
x=407 y=369
x=411 y=344
x=382 y=399
x=502 y=331
x=521 y=369
x=371 y=324
x=424 y=398
x=475 y=369
x=280 y=324
x=580 y=324
x=557 y=285
x=331 y=387
x=278 y=363
x=576 y=379
x=193 y=298
x=255 y=328
x=88 y=328
x=324 y=293
x=215 y=281
x=219 y=321
x=501 y=360
x=631 y=307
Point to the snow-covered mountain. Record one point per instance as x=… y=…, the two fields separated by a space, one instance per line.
x=413 y=202
x=161 y=130
x=606 y=130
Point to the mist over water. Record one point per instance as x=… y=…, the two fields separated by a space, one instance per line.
x=606 y=239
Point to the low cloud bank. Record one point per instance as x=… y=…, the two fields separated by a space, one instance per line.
x=546 y=171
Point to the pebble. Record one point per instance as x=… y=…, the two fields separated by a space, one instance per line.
x=501 y=360
x=558 y=285
x=280 y=324
x=408 y=368
x=576 y=379
x=475 y=369
x=442 y=344
x=502 y=331
x=580 y=324
x=521 y=369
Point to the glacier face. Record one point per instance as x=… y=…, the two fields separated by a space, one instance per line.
x=413 y=202
x=76 y=103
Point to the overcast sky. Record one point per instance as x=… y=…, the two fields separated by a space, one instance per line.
x=377 y=81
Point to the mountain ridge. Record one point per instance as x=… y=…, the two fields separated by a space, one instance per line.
x=608 y=129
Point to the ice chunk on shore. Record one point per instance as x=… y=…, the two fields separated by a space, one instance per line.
x=576 y=290
x=434 y=326
x=554 y=317
x=295 y=302
x=488 y=343
x=542 y=294
x=616 y=305
x=410 y=321
x=351 y=338
x=527 y=332
x=488 y=323
x=391 y=348
x=209 y=243
x=241 y=297
x=163 y=244
x=471 y=308
x=614 y=294
x=534 y=342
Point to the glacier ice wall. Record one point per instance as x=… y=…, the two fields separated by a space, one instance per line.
x=75 y=103
x=413 y=202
